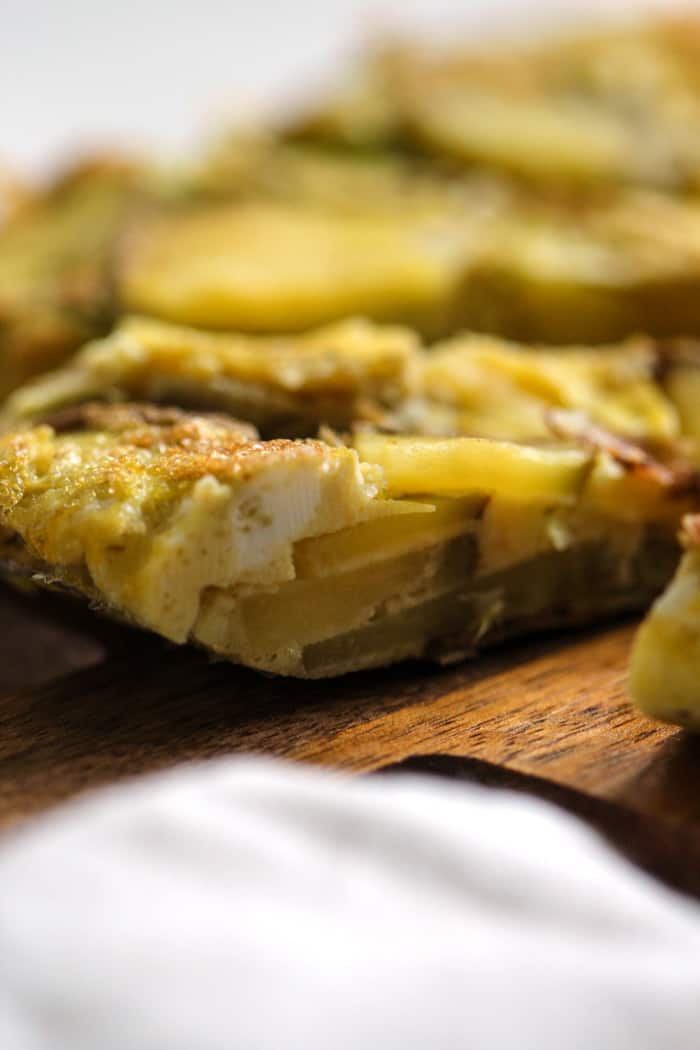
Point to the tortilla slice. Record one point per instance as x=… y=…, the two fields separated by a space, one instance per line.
x=356 y=373
x=304 y=559
x=665 y=668
x=617 y=106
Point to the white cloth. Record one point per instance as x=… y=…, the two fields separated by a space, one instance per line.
x=248 y=904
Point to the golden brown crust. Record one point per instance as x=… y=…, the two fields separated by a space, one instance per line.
x=185 y=446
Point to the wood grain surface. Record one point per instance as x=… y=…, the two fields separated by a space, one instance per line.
x=86 y=703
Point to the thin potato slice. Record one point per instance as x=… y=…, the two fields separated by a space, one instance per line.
x=271 y=267
x=456 y=466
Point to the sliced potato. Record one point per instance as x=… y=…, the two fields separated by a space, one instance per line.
x=455 y=466
x=269 y=267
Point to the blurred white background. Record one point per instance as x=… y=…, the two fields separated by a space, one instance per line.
x=79 y=73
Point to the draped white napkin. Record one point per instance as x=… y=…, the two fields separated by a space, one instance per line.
x=249 y=904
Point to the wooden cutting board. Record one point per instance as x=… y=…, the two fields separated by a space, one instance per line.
x=86 y=702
